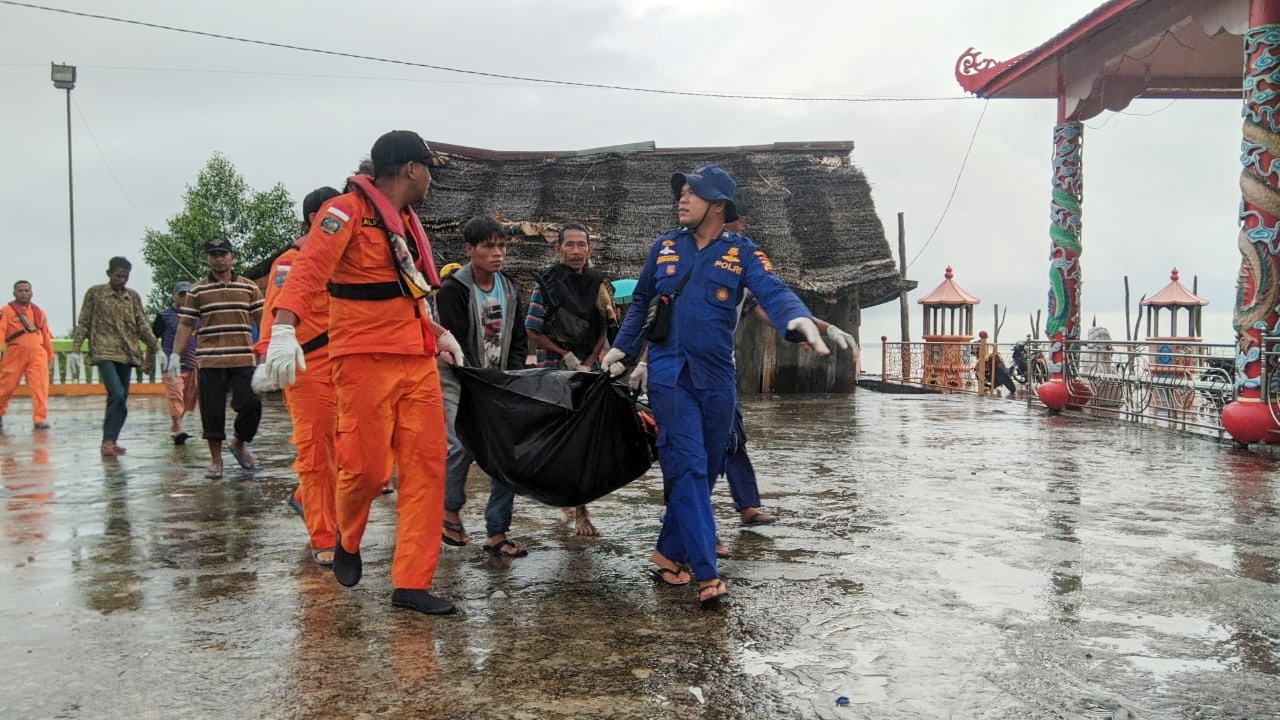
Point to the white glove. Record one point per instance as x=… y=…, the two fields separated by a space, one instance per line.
x=840 y=339
x=75 y=365
x=569 y=361
x=613 y=362
x=261 y=382
x=806 y=327
x=448 y=350
x=639 y=380
x=284 y=356
x=173 y=365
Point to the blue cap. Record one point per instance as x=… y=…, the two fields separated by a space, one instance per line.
x=707 y=181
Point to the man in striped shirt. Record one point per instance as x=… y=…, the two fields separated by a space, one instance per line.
x=226 y=305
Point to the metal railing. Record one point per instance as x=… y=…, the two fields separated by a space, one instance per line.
x=88 y=375
x=1174 y=385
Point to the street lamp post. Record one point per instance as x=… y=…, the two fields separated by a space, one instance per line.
x=64 y=78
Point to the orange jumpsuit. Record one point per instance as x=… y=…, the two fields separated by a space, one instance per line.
x=385 y=379
x=26 y=353
x=312 y=407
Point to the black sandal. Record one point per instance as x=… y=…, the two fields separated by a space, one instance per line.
x=495 y=550
x=454 y=527
x=713 y=601
x=668 y=576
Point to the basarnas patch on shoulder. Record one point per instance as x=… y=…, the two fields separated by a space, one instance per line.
x=329 y=225
x=282 y=271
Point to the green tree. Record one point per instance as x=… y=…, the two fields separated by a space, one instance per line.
x=220 y=204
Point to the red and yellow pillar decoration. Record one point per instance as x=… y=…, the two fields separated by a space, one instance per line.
x=1247 y=418
x=1064 y=258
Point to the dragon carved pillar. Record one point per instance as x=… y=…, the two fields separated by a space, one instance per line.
x=1257 y=313
x=1064 y=260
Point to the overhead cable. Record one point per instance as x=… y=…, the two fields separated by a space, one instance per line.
x=956 y=185
x=480 y=73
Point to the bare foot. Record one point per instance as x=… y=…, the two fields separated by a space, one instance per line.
x=582 y=523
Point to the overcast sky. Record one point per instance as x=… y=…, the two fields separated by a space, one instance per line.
x=151 y=106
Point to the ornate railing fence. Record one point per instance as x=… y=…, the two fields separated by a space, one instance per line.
x=1170 y=384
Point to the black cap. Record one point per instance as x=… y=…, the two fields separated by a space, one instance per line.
x=314 y=199
x=402 y=146
x=217 y=245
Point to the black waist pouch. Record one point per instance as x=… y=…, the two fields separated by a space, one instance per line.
x=657 y=320
x=657 y=323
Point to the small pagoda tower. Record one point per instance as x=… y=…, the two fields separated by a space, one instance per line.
x=1174 y=354
x=948 y=333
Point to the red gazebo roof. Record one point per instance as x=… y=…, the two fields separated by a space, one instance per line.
x=1124 y=49
x=948 y=293
x=1174 y=295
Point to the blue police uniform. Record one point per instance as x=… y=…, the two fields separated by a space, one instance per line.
x=692 y=379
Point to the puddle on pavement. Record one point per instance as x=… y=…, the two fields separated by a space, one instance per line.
x=937 y=557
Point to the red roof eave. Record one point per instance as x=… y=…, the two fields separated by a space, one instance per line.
x=986 y=77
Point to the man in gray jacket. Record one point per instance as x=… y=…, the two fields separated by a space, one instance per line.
x=481 y=307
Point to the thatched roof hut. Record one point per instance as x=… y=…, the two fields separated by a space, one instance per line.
x=807 y=205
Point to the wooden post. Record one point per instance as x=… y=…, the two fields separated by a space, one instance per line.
x=884 y=358
x=982 y=364
x=857 y=316
x=769 y=362
x=902 y=278
x=1126 y=310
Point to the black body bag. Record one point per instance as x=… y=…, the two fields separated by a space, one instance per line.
x=562 y=438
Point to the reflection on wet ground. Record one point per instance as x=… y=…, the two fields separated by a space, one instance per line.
x=937 y=558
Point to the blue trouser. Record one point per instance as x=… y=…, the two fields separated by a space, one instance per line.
x=115 y=376
x=693 y=431
x=738 y=471
x=497 y=514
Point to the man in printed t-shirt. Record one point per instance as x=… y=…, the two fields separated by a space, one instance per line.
x=481 y=307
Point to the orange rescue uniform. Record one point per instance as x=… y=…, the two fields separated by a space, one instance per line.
x=312 y=407
x=385 y=380
x=27 y=353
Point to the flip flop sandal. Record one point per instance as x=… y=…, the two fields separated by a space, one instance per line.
x=753 y=520
x=315 y=557
x=213 y=474
x=244 y=459
x=453 y=527
x=657 y=572
x=181 y=438
x=497 y=551
x=712 y=602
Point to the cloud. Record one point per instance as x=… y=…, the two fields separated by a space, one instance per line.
x=1160 y=190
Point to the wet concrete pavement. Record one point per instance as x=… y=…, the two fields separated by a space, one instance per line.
x=938 y=557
